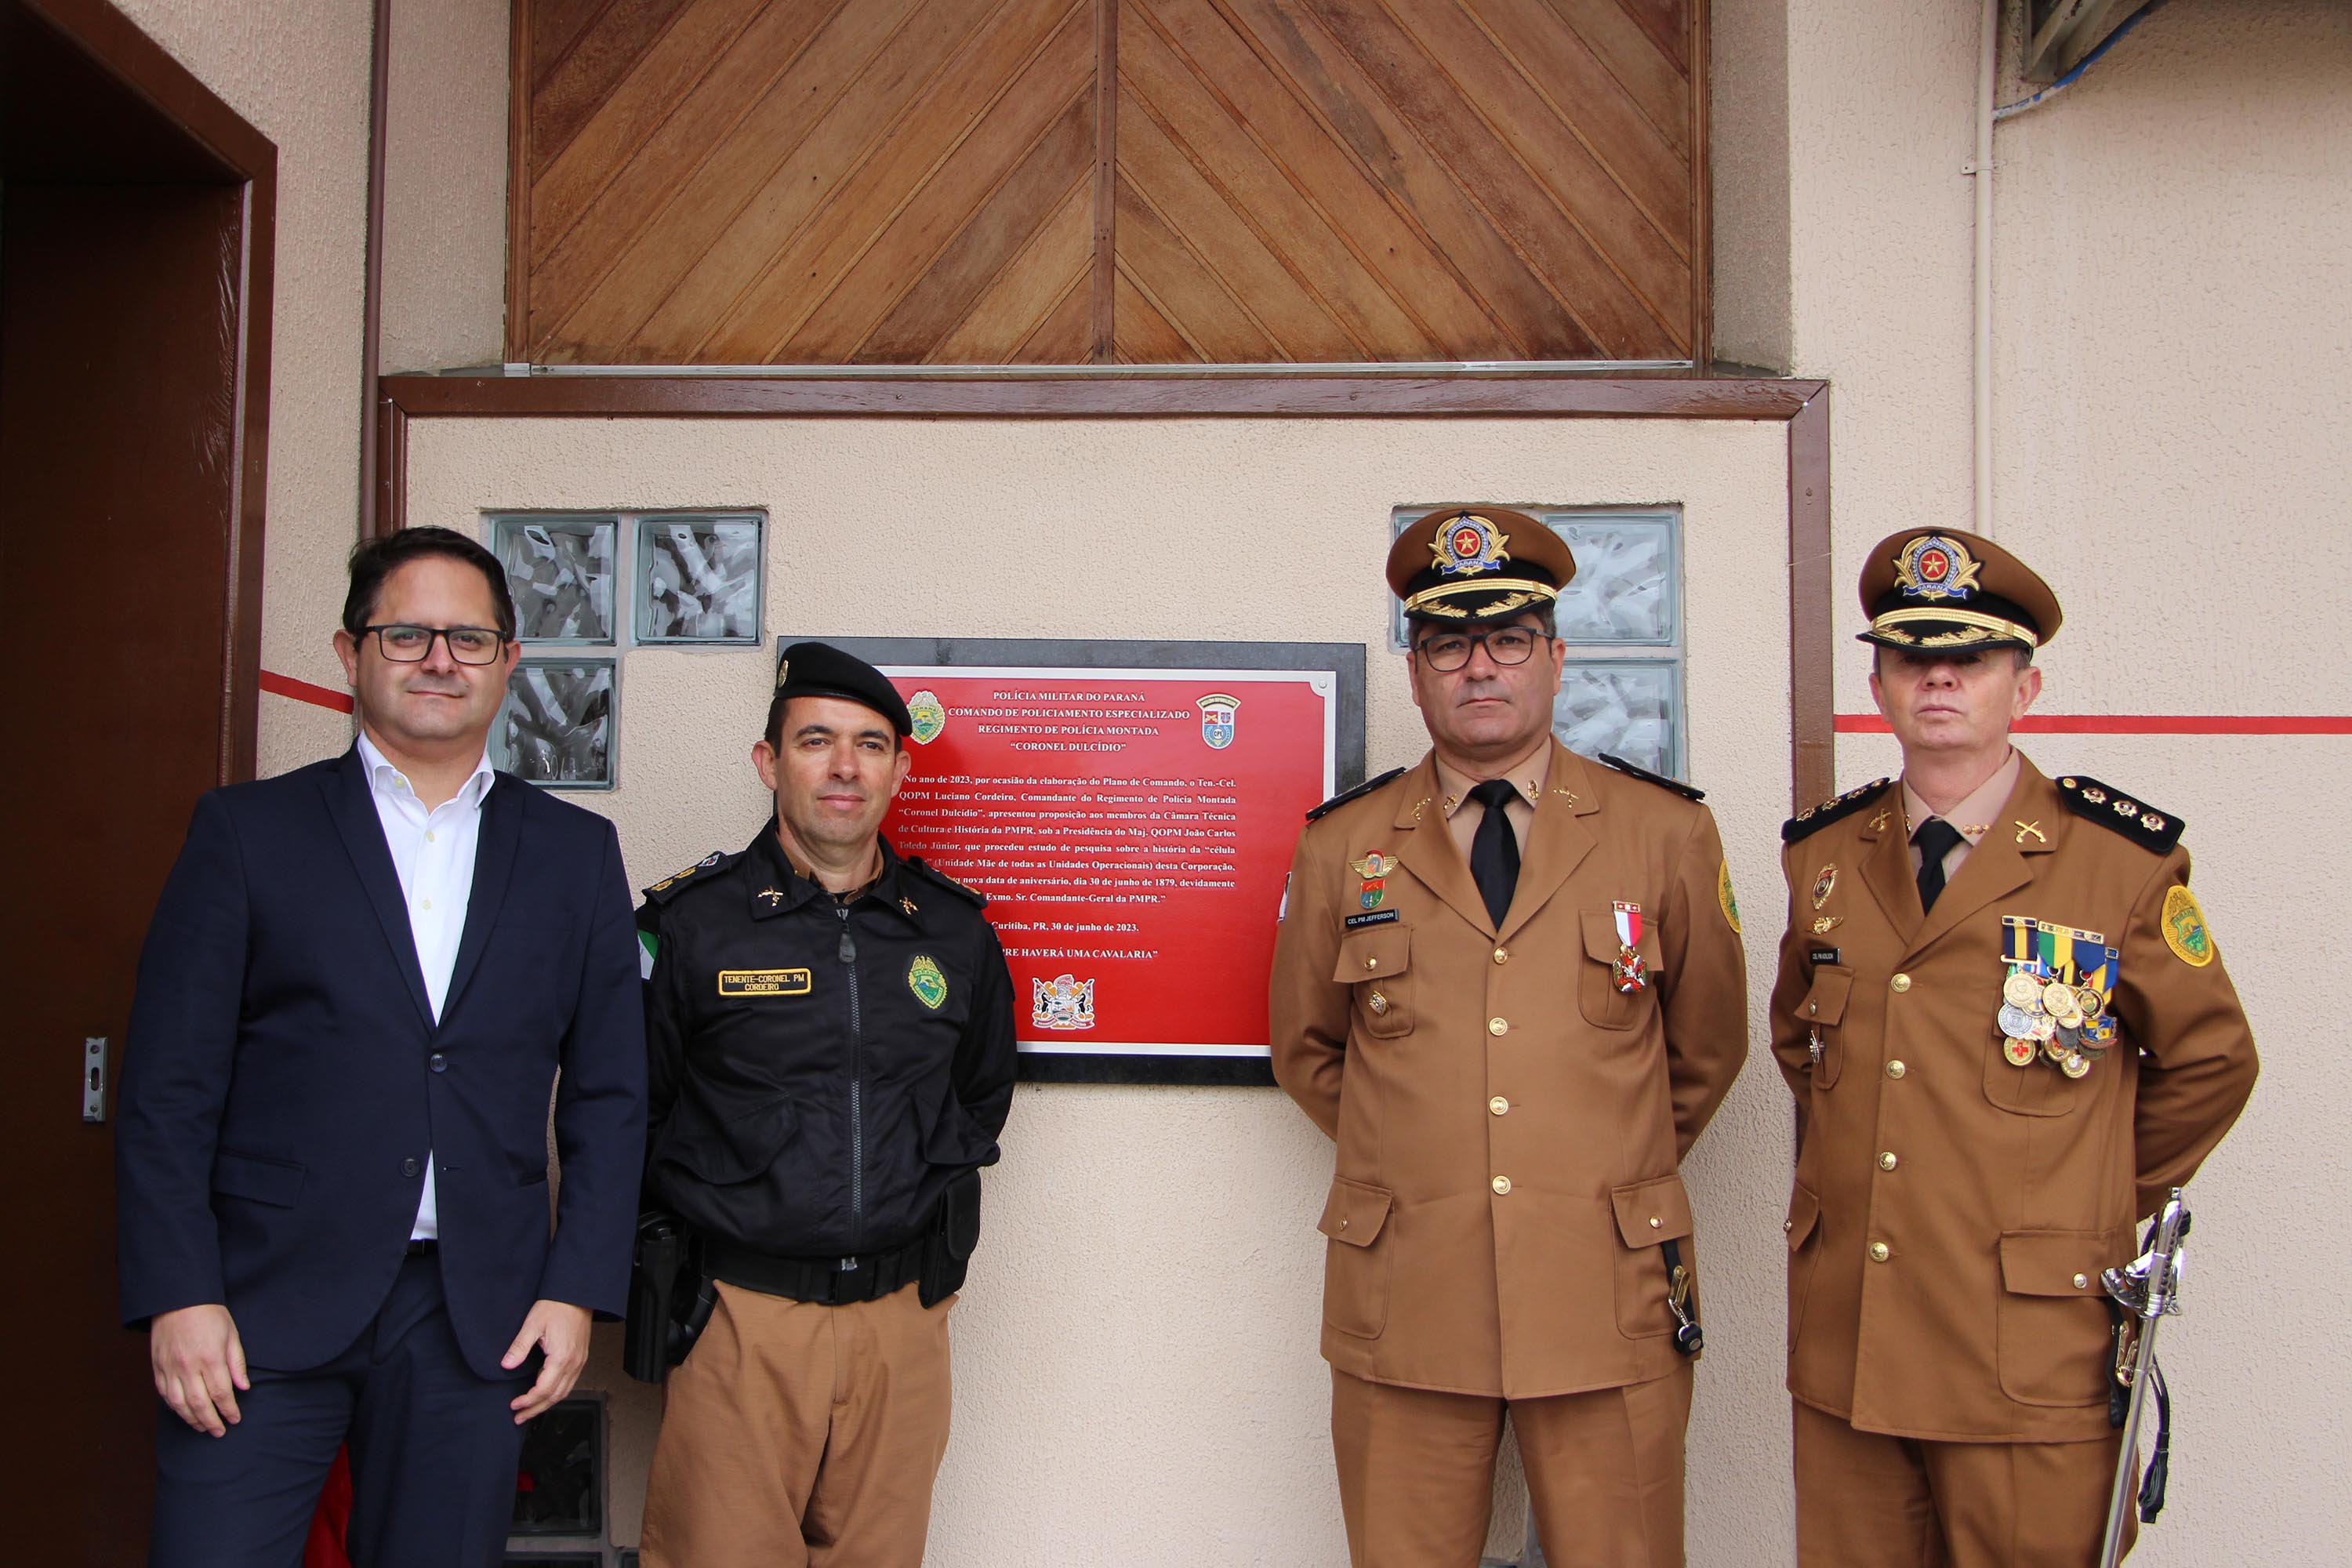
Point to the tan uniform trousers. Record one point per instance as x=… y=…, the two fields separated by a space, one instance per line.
x=1604 y=1472
x=1868 y=1501
x=799 y=1436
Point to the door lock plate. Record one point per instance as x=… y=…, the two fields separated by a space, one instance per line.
x=93 y=1079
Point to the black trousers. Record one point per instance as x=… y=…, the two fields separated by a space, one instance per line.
x=434 y=1451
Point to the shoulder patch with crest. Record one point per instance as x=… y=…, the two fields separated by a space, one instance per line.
x=669 y=887
x=1813 y=818
x=2113 y=809
x=918 y=864
x=1345 y=795
x=1688 y=791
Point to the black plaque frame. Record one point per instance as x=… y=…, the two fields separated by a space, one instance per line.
x=1346 y=659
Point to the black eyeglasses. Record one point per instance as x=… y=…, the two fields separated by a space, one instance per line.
x=1449 y=651
x=414 y=645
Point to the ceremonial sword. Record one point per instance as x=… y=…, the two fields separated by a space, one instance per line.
x=2147 y=1289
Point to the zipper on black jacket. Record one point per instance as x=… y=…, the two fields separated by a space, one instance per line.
x=856 y=1108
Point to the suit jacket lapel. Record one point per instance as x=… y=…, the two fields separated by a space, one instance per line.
x=1886 y=867
x=1999 y=865
x=352 y=806
x=1558 y=840
x=1427 y=850
x=494 y=860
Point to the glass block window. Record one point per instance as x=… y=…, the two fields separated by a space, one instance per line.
x=611 y=580
x=1621 y=688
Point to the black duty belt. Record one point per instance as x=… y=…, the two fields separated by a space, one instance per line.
x=826 y=1281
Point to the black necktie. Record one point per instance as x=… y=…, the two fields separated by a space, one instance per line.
x=1935 y=838
x=1495 y=852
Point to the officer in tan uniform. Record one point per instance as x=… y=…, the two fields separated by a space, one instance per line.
x=2010 y=1034
x=1508 y=982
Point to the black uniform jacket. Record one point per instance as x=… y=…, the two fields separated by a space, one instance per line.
x=820 y=1070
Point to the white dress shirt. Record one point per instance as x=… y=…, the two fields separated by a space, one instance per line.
x=433 y=852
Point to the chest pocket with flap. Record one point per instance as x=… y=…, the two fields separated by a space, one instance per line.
x=1596 y=992
x=1823 y=1014
x=1378 y=964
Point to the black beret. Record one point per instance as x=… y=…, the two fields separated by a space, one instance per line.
x=818 y=669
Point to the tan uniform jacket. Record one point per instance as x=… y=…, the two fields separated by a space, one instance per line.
x=1509 y=1122
x=1999 y=1192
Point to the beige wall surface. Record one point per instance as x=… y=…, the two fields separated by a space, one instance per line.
x=445 y=185
x=298 y=74
x=1138 y=1382
x=2171 y=372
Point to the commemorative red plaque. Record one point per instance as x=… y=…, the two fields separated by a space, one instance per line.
x=1131 y=819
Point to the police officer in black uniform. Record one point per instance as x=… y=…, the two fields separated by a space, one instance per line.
x=831 y=1031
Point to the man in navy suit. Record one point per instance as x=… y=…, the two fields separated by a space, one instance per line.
x=361 y=982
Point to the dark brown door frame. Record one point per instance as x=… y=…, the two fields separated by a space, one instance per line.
x=244 y=157
x=1803 y=405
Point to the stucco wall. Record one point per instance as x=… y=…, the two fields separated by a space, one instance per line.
x=300 y=75
x=1135 y=1355
x=444 y=217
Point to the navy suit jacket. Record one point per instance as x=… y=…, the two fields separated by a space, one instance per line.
x=284 y=1078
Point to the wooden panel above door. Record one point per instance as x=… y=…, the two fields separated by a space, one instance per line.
x=844 y=181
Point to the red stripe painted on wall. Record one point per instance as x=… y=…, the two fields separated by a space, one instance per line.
x=2145 y=724
x=303 y=691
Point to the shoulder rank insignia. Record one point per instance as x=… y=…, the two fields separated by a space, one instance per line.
x=1345 y=795
x=1813 y=818
x=668 y=888
x=1686 y=791
x=916 y=863
x=2111 y=809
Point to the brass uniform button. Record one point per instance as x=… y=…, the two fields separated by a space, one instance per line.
x=1343 y=1225
x=1498 y=1105
x=1789 y=1224
x=1879 y=1252
x=1901 y=983
x=1502 y=1185
x=2082 y=1282
x=1895 y=1069
x=1371 y=964
x=1497 y=1027
x=1887 y=1161
x=1656 y=1224
x=1502 y=956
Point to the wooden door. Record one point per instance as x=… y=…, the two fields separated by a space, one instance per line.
x=126 y=272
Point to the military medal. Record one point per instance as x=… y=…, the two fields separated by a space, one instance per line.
x=2054 y=1001
x=1630 y=972
x=1822 y=884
